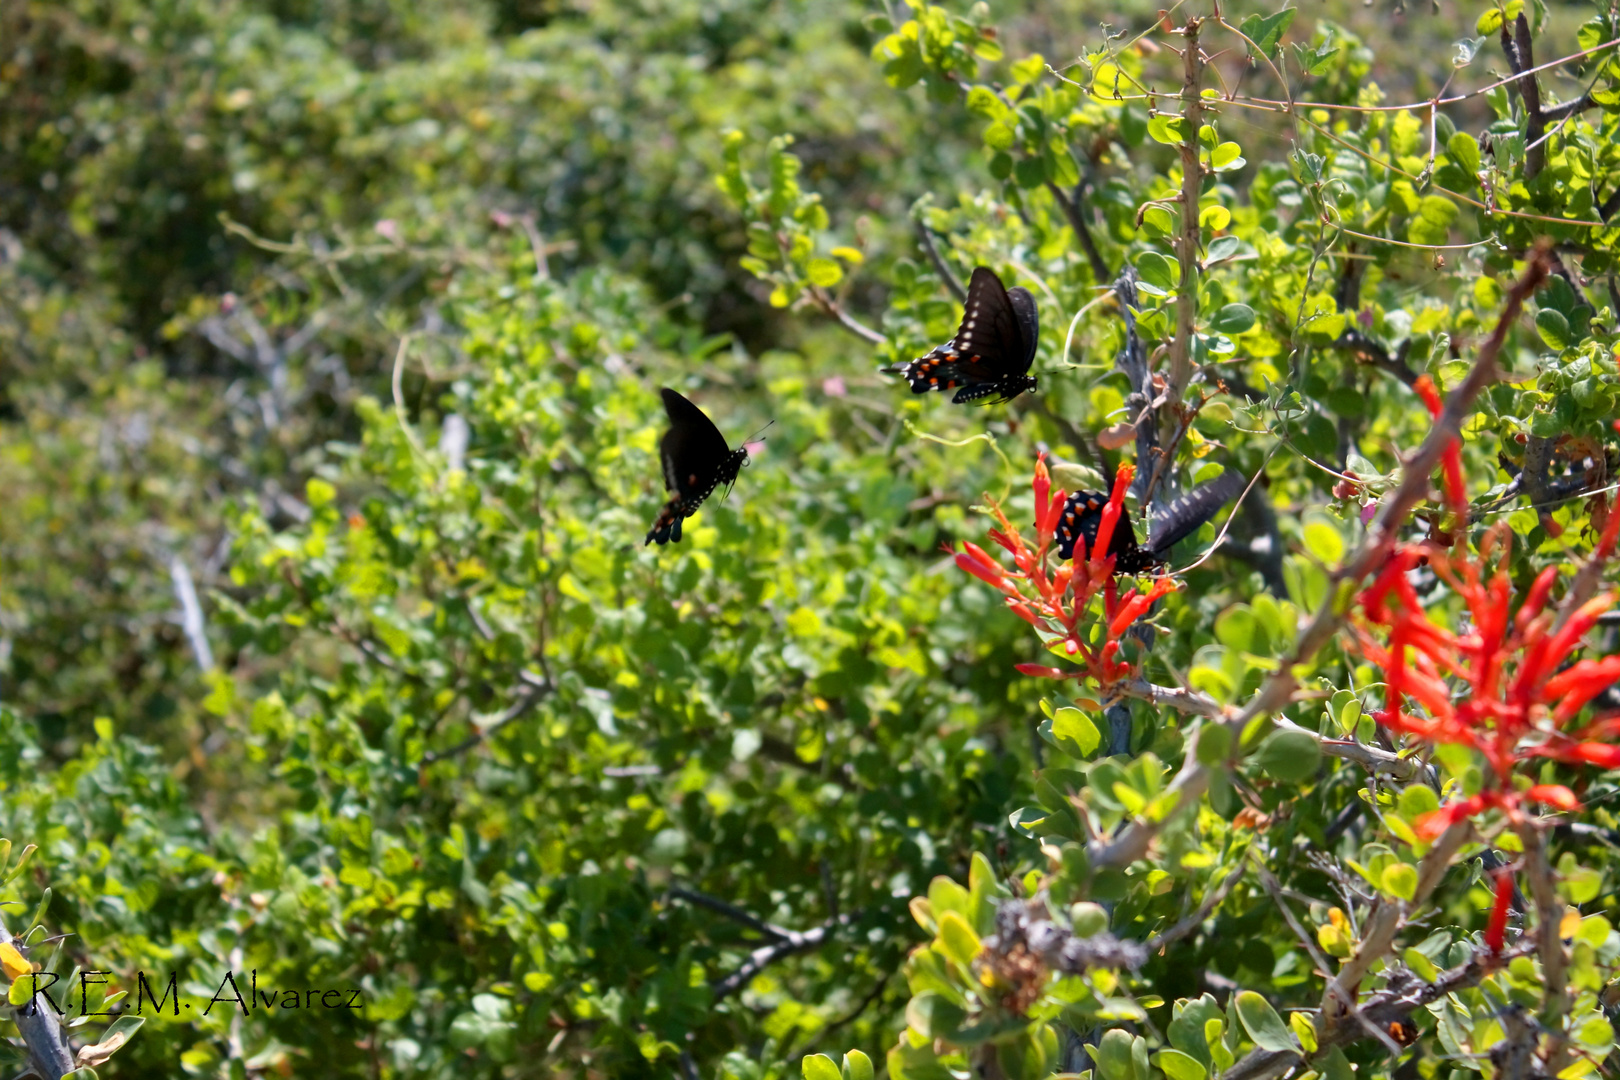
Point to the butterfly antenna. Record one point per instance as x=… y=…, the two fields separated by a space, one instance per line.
x=759 y=435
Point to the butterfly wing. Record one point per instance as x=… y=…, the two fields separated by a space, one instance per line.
x=696 y=460
x=1082 y=516
x=1188 y=512
x=992 y=350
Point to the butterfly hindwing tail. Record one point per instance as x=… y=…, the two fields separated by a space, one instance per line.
x=988 y=359
x=1187 y=513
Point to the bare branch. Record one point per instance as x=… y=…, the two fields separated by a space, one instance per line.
x=532 y=695
x=1192 y=182
x=826 y=303
x=925 y=237
x=1516 y=44
x=1550 y=947
x=764 y=956
x=1082 y=231
x=1192 y=922
x=737 y=914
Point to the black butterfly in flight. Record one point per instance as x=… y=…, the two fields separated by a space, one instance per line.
x=990 y=355
x=1082 y=514
x=696 y=461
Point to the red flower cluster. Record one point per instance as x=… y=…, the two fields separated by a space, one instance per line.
x=1517 y=696
x=1055 y=603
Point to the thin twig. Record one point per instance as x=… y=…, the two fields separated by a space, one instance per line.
x=765 y=955
x=532 y=696
x=730 y=911
x=1072 y=211
x=925 y=237
x=1212 y=899
x=849 y=322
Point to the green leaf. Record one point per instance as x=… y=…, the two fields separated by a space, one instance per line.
x=857 y=1066
x=1215 y=217
x=319 y=493
x=1113 y=1056
x=1263 y=1024
x=1179 y=1066
x=1157 y=270
x=1028 y=69
x=1421 y=965
x=1489 y=22
x=1030 y=172
x=1417 y=800
x=934 y=1015
x=825 y=273
x=1214 y=744
x=1400 y=879
x=1088 y=919
x=1167 y=129
x=1289 y=755
x=1000 y=136
x=1324 y=541
x=1072 y=728
x=1158 y=221
x=820 y=1067
x=1335 y=1066
x=1554 y=329
x=1303 y=1030
x=1464 y=151
x=1227 y=157
x=1265 y=31
x=960 y=942
x=1233 y=319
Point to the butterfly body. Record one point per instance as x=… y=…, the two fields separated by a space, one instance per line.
x=989 y=358
x=1082 y=515
x=696 y=460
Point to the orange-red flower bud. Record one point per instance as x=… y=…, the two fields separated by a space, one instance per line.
x=1040 y=671
x=1496 y=928
x=1435 y=822
x=980 y=567
x=1555 y=795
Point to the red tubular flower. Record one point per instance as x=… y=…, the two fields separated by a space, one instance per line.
x=1435 y=822
x=1555 y=795
x=1451 y=457
x=977 y=563
x=1040 y=671
x=1110 y=515
x=1496 y=929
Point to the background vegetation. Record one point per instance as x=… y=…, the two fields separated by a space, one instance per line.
x=330 y=341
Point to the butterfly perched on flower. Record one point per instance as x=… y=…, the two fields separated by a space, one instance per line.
x=1082 y=514
x=990 y=355
x=696 y=461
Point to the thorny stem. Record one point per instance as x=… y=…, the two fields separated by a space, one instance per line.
x=1549 y=917
x=1387 y=919
x=1192 y=178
